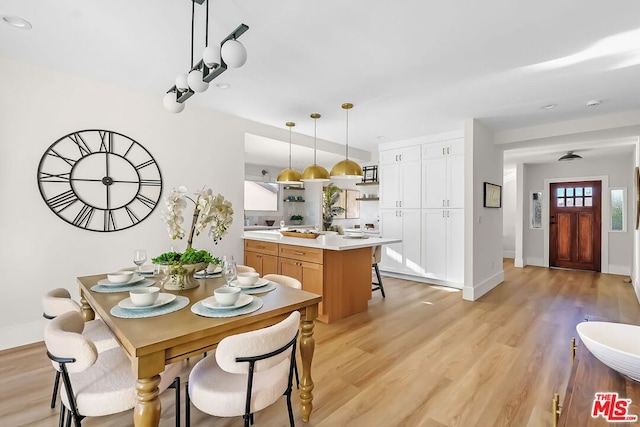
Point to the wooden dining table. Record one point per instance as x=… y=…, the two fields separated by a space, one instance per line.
x=154 y=342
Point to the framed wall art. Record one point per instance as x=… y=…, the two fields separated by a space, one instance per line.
x=492 y=195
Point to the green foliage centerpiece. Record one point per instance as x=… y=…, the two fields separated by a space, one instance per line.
x=209 y=210
x=329 y=210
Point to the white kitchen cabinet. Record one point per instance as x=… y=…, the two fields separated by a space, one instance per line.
x=443 y=174
x=399 y=174
x=403 y=257
x=443 y=245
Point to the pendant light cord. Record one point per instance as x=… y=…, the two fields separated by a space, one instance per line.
x=315 y=126
x=193 y=11
x=206 y=29
x=347 y=137
x=289 y=147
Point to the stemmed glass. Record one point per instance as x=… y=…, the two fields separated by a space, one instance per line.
x=139 y=258
x=228 y=269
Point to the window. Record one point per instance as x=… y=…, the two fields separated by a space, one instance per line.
x=535 y=209
x=618 y=212
x=574 y=197
x=260 y=196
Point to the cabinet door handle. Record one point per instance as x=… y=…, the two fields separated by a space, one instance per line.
x=260 y=247
x=400 y=203
x=448 y=150
x=299 y=253
x=448 y=202
x=442 y=214
x=448 y=214
x=443 y=203
x=443 y=151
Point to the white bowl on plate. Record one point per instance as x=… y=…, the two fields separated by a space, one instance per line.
x=120 y=276
x=617 y=345
x=248 y=278
x=227 y=295
x=144 y=297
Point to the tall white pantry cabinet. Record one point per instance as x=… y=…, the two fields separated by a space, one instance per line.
x=422 y=202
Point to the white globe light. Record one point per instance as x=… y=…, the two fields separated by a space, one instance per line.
x=211 y=56
x=234 y=53
x=181 y=82
x=195 y=81
x=171 y=104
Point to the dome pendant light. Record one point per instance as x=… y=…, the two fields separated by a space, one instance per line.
x=315 y=173
x=289 y=176
x=347 y=168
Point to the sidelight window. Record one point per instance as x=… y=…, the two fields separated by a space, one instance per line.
x=618 y=212
x=535 y=209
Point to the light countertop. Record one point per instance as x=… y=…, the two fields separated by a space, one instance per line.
x=331 y=242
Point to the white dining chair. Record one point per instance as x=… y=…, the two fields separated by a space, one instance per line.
x=292 y=282
x=244 y=269
x=94 y=383
x=58 y=301
x=250 y=371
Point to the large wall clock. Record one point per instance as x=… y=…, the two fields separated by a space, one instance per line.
x=99 y=180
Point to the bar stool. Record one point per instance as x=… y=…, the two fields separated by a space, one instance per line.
x=376 y=255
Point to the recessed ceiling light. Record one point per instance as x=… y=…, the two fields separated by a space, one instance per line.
x=593 y=103
x=549 y=106
x=381 y=137
x=16 y=22
x=222 y=85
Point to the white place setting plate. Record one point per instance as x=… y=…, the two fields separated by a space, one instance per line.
x=259 y=283
x=243 y=300
x=203 y=274
x=135 y=279
x=163 y=299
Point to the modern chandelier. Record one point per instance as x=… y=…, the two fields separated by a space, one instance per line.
x=215 y=61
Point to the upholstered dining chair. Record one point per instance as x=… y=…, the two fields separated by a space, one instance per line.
x=58 y=301
x=250 y=371
x=244 y=269
x=376 y=255
x=94 y=384
x=292 y=282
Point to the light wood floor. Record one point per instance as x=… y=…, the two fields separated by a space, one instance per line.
x=420 y=357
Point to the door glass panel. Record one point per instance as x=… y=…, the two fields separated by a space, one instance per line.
x=560 y=192
x=578 y=201
x=588 y=201
x=560 y=201
x=569 y=202
x=579 y=191
x=569 y=192
x=588 y=191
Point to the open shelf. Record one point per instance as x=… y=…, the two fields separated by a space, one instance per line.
x=368 y=198
x=368 y=183
x=288 y=187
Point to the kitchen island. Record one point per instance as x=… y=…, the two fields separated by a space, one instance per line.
x=334 y=266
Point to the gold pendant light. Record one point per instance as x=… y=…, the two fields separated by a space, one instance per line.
x=289 y=176
x=315 y=173
x=346 y=168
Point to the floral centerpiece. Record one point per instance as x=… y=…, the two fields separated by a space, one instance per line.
x=210 y=211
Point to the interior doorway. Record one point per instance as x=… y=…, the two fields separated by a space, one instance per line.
x=575 y=224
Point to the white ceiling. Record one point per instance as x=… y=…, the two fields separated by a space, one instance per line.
x=410 y=67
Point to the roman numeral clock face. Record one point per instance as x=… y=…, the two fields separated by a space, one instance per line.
x=99 y=180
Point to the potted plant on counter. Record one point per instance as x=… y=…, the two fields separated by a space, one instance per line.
x=209 y=210
x=296 y=219
x=329 y=210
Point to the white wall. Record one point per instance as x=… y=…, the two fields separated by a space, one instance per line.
x=41 y=252
x=619 y=169
x=483 y=226
x=509 y=196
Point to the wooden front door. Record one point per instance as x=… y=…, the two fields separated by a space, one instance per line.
x=575 y=225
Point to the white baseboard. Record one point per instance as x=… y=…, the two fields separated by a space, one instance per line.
x=23 y=334
x=421 y=279
x=623 y=270
x=518 y=262
x=508 y=254
x=538 y=262
x=473 y=293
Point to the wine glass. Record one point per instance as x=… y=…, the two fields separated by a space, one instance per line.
x=139 y=258
x=228 y=269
